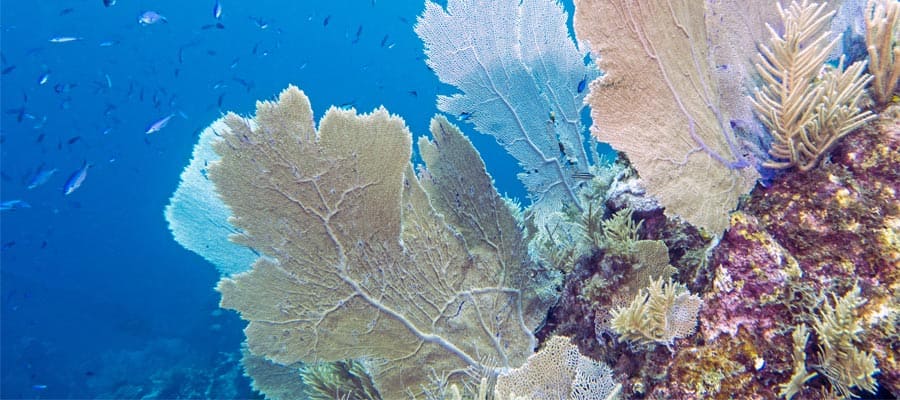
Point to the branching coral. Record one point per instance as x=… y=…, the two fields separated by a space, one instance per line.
x=801 y=374
x=806 y=111
x=882 y=24
x=837 y=328
x=661 y=313
x=621 y=233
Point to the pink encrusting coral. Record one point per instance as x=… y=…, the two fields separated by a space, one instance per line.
x=795 y=247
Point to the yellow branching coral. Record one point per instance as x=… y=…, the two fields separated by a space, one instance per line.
x=661 y=313
x=882 y=24
x=621 y=233
x=801 y=374
x=806 y=111
x=837 y=328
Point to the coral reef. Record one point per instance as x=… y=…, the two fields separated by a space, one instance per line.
x=806 y=238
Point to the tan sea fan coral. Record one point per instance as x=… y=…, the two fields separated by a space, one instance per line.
x=659 y=104
x=359 y=260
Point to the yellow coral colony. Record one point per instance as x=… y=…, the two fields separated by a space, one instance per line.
x=807 y=111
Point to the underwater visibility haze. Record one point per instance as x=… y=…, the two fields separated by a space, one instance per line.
x=462 y=199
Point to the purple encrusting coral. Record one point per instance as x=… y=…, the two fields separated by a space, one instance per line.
x=790 y=247
x=794 y=244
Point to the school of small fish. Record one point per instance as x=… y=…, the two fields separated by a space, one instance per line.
x=164 y=101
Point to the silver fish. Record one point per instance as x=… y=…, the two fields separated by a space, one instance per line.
x=159 y=124
x=76 y=179
x=63 y=39
x=41 y=178
x=217 y=10
x=14 y=205
x=151 y=17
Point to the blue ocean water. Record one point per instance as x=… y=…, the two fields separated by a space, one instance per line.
x=98 y=300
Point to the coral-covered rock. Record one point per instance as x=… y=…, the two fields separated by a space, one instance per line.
x=795 y=244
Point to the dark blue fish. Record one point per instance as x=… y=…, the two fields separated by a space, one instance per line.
x=109 y=3
x=76 y=179
x=8 y=69
x=582 y=84
x=358 y=34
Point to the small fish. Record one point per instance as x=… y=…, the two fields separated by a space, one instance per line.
x=583 y=175
x=76 y=179
x=8 y=69
x=151 y=17
x=41 y=178
x=44 y=78
x=260 y=23
x=40 y=123
x=14 y=205
x=38 y=387
x=63 y=39
x=217 y=25
x=384 y=40
x=159 y=124
x=358 y=34
x=325 y=21
x=65 y=11
x=109 y=3
x=217 y=10
x=109 y=43
x=74 y=139
x=582 y=84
